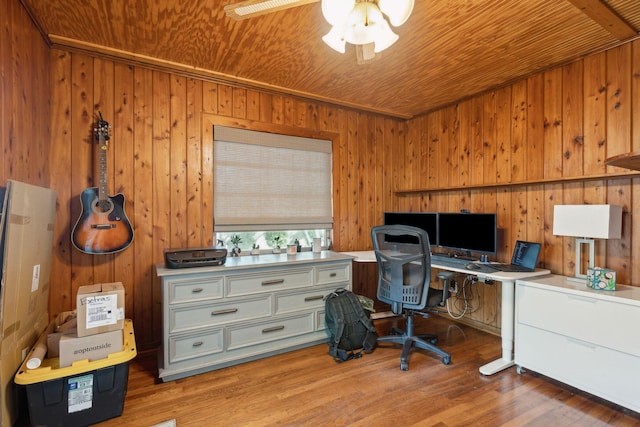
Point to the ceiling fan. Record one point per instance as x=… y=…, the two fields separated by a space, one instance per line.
x=362 y=23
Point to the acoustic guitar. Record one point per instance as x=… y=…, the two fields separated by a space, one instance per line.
x=103 y=226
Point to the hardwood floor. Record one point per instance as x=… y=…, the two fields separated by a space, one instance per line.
x=307 y=388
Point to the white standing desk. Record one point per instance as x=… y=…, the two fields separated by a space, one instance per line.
x=508 y=281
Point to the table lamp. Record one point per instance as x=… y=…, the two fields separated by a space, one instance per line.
x=587 y=223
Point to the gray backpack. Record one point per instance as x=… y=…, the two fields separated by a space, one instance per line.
x=351 y=331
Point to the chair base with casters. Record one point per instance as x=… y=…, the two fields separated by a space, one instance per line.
x=408 y=339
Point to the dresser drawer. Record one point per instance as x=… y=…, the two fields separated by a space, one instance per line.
x=194 y=288
x=276 y=329
x=190 y=346
x=336 y=273
x=598 y=370
x=269 y=281
x=289 y=302
x=580 y=315
x=186 y=317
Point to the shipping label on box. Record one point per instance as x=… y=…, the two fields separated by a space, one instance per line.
x=100 y=308
x=601 y=279
x=92 y=347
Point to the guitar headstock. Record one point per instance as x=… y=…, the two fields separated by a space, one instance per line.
x=102 y=129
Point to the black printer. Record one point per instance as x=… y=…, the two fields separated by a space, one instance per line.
x=195 y=257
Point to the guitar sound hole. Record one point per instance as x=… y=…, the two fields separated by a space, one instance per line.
x=102 y=206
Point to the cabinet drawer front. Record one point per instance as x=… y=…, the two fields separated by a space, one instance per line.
x=313 y=299
x=198 y=345
x=584 y=317
x=269 y=281
x=246 y=335
x=607 y=373
x=194 y=289
x=337 y=273
x=183 y=318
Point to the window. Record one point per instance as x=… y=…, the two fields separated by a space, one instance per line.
x=268 y=185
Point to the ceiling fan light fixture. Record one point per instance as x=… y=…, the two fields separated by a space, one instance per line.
x=384 y=37
x=398 y=11
x=335 y=39
x=336 y=12
x=364 y=24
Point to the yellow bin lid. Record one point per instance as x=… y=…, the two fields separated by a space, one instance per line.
x=49 y=368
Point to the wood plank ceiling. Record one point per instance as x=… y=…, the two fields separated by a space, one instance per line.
x=448 y=49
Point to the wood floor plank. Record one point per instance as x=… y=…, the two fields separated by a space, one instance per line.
x=307 y=388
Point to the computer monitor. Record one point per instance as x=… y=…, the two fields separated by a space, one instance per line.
x=428 y=221
x=468 y=232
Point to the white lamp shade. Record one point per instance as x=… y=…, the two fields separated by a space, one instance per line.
x=364 y=24
x=592 y=221
x=385 y=37
x=336 y=12
x=398 y=11
x=335 y=39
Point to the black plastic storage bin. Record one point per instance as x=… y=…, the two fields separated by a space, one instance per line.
x=82 y=394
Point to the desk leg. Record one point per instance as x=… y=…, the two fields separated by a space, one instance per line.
x=508 y=303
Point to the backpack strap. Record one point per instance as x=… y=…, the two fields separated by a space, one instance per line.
x=371 y=339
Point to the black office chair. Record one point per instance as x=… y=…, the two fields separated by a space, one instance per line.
x=404 y=275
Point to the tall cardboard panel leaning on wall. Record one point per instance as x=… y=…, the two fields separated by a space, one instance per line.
x=26 y=244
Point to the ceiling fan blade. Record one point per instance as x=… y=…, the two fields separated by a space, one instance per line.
x=250 y=8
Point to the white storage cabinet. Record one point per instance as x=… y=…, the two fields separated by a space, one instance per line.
x=249 y=308
x=585 y=338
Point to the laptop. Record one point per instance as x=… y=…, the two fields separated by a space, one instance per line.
x=524 y=258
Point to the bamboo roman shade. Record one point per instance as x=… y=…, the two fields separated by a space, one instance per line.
x=267 y=181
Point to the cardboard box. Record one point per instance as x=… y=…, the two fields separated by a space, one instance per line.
x=601 y=279
x=26 y=238
x=68 y=347
x=100 y=308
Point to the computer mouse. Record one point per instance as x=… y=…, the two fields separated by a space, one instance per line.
x=472 y=266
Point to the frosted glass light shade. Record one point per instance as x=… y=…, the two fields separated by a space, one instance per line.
x=336 y=12
x=335 y=39
x=398 y=11
x=594 y=221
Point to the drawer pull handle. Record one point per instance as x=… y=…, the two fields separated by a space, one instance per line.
x=197 y=344
x=333 y=274
x=315 y=298
x=225 y=311
x=272 y=282
x=196 y=290
x=272 y=329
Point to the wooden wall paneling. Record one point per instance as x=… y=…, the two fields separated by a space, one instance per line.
x=553 y=249
x=123 y=176
x=194 y=164
x=476 y=141
x=535 y=214
x=464 y=138
x=572 y=119
x=206 y=177
x=536 y=123
x=82 y=155
x=504 y=210
x=266 y=103
x=635 y=96
x=449 y=132
x=340 y=184
x=61 y=147
x=210 y=97
x=392 y=150
x=419 y=124
x=632 y=228
x=225 y=100
x=103 y=101
x=353 y=170
x=253 y=104
x=161 y=180
x=143 y=206
x=517 y=144
x=504 y=116
x=239 y=103
x=552 y=147
x=379 y=195
x=366 y=154
x=618 y=251
x=435 y=168
x=595 y=110
x=489 y=149
x=177 y=156
x=277 y=109
x=618 y=101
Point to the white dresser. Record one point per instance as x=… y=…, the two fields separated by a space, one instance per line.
x=585 y=338
x=249 y=308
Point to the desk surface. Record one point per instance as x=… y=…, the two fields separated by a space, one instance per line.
x=369 y=256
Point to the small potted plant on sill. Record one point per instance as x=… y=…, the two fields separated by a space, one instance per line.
x=255 y=250
x=276 y=241
x=235 y=241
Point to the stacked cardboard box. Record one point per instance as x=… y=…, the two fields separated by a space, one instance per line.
x=96 y=331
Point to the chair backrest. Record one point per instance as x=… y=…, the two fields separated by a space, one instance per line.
x=404 y=266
